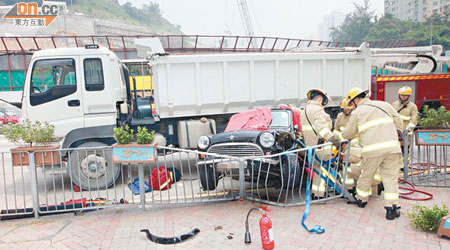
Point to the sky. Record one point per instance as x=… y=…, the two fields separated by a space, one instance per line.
x=280 y=18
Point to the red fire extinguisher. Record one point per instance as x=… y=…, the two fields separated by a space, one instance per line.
x=265 y=228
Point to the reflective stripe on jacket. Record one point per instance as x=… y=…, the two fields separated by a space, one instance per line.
x=320 y=123
x=408 y=114
x=377 y=130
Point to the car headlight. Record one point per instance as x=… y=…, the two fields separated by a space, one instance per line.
x=266 y=140
x=203 y=142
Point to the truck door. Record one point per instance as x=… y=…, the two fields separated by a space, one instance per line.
x=99 y=75
x=55 y=94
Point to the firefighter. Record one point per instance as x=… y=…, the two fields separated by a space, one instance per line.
x=376 y=124
x=316 y=127
x=408 y=110
x=354 y=170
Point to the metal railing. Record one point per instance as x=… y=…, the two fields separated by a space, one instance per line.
x=281 y=179
x=183 y=43
x=65 y=180
x=427 y=162
x=15 y=52
x=15 y=189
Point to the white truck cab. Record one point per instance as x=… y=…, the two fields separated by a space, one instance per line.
x=74 y=88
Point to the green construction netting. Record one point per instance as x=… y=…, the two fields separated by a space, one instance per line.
x=18 y=78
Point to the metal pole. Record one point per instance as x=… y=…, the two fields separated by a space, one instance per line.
x=431 y=31
x=241 y=179
x=405 y=155
x=141 y=185
x=345 y=192
x=34 y=190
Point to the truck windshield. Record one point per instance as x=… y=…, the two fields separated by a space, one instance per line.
x=280 y=119
x=50 y=73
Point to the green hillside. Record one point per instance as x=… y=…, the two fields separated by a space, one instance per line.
x=148 y=16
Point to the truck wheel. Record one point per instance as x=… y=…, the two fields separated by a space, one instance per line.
x=290 y=168
x=208 y=177
x=93 y=168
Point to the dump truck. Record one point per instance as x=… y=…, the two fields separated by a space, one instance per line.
x=85 y=93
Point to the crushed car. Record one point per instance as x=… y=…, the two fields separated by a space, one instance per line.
x=254 y=135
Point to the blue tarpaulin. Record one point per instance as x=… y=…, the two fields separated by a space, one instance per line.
x=134 y=186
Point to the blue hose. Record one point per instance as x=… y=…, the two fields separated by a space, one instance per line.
x=316 y=229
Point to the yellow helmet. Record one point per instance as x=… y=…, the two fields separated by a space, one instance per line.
x=354 y=92
x=321 y=92
x=344 y=103
x=405 y=90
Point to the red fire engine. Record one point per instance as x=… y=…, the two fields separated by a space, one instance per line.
x=428 y=89
x=424 y=69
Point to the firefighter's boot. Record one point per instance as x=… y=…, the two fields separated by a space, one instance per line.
x=397 y=210
x=391 y=212
x=358 y=202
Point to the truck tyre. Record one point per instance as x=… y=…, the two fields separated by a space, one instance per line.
x=93 y=168
x=290 y=168
x=208 y=177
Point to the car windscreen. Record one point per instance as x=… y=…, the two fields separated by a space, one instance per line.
x=280 y=119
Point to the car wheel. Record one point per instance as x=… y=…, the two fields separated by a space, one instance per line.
x=290 y=170
x=208 y=177
x=93 y=168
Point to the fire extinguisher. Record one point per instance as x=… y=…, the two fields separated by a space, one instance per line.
x=265 y=228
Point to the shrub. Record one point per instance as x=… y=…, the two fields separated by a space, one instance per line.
x=12 y=132
x=427 y=219
x=144 y=137
x=29 y=133
x=435 y=119
x=123 y=134
x=44 y=134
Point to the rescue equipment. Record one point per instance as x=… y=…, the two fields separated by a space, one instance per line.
x=265 y=228
x=170 y=240
x=162 y=178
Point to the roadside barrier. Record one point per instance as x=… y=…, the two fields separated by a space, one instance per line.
x=15 y=188
x=80 y=179
x=429 y=158
x=281 y=179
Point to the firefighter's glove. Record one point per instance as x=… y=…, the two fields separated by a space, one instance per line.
x=336 y=142
x=400 y=135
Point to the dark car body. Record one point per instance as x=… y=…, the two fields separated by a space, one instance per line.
x=246 y=144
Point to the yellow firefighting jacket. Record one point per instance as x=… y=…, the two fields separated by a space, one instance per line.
x=408 y=112
x=341 y=121
x=376 y=123
x=339 y=126
x=319 y=122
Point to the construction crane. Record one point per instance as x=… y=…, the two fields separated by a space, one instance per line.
x=246 y=20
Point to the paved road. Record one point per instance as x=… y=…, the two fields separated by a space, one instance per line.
x=222 y=227
x=221 y=223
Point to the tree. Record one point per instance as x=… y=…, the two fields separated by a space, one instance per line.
x=389 y=28
x=356 y=25
x=362 y=25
